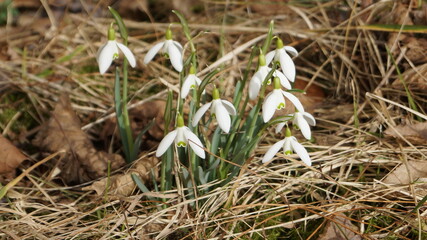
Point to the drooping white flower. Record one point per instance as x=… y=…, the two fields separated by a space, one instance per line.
x=190 y=82
x=276 y=101
x=110 y=51
x=259 y=77
x=222 y=110
x=302 y=121
x=172 y=49
x=182 y=136
x=290 y=145
x=281 y=55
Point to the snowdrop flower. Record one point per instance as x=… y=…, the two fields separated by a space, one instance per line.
x=276 y=100
x=190 y=82
x=281 y=55
x=182 y=136
x=222 y=110
x=259 y=77
x=302 y=121
x=110 y=51
x=289 y=144
x=172 y=49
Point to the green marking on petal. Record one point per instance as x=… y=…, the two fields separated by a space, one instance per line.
x=115 y=55
x=280 y=106
x=193 y=86
x=289 y=152
x=181 y=144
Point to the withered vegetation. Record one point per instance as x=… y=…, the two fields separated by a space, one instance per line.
x=363 y=64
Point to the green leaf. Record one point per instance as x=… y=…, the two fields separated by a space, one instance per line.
x=141 y=185
x=395 y=28
x=120 y=117
x=138 y=140
x=184 y=24
x=269 y=37
x=119 y=21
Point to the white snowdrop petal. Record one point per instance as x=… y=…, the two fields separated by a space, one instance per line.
x=152 y=52
x=283 y=80
x=106 y=56
x=269 y=57
x=287 y=65
x=280 y=126
x=194 y=143
x=287 y=147
x=186 y=86
x=178 y=45
x=303 y=126
x=128 y=54
x=309 y=118
x=255 y=85
x=222 y=116
x=200 y=113
x=291 y=50
x=99 y=51
x=272 y=151
x=270 y=104
x=175 y=57
x=301 y=152
x=294 y=101
x=166 y=142
x=230 y=107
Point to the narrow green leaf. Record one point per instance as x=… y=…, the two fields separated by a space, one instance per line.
x=395 y=28
x=138 y=139
x=141 y=185
x=119 y=115
x=168 y=111
x=119 y=21
x=184 y=24
x=269 y=37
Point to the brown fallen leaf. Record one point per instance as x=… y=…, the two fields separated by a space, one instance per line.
x=340 y=228
x=81 y=161
x=416 y=133
x=407 y=173
x=123 y=185
x=10 y=157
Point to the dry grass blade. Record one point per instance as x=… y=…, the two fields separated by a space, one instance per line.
x=363 y=184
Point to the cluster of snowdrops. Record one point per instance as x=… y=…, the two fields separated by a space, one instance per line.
x=276 y=68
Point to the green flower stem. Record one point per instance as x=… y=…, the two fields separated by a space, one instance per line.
x=238 y=97
x=126 y=112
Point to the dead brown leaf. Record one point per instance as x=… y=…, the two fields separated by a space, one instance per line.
x=81 y=162
x=415 y=132
x=407 y=173
x=340 y=228
x=10 y=156
x=123 y=185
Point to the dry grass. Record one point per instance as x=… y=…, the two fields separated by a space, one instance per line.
x=351 y=155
